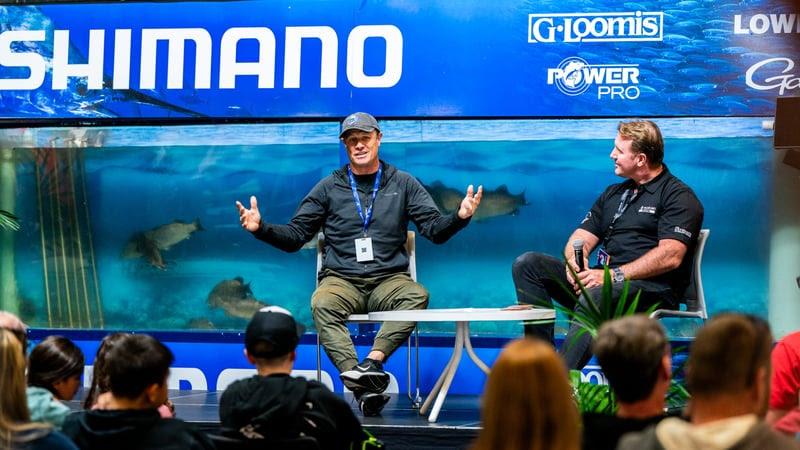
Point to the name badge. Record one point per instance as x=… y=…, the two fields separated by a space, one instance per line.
x=364 y=249
x=603 y=258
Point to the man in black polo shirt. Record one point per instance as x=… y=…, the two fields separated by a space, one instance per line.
x=646 y=228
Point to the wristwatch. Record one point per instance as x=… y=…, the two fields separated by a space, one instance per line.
x=619 y=275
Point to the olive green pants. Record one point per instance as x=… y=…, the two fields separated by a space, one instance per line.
x=337 y=297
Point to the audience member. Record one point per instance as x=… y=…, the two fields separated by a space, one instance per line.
x=274 y=405
x=784 y=414
x=16 y=430
x=55 y=366
x=13 y=324
x=528 y=402
x=635 y=357
x=137 y=367
x=100 y=390
x=728 y=375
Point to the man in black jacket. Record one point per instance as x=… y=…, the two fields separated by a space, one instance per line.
x=273 y=405
x=363 y=209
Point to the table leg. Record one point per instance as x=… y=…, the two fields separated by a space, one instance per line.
x=471 y=352
x=451 y=364
x=437 y=406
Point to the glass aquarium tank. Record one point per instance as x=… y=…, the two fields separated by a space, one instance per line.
x=135 y=227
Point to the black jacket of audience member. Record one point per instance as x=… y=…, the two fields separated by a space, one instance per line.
x=132 y=429
x=280 y=406
x=603 y=431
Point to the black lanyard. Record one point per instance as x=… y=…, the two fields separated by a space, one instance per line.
x=628 y=197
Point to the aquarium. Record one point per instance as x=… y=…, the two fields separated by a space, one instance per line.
x=136 y=227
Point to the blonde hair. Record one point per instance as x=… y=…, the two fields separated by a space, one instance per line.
x=527 y=404
x=14 y=414
x=646 y=139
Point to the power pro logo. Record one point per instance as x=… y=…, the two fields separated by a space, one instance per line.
x=574 y=76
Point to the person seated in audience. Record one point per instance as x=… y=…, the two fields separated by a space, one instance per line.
x=137 y=367
x=636 y=359
x=13 y=324
x=16 y=430
x=527 y=404
x=55 y=366
x=273 y=404
x=784 y=414
x=100 y=391
x=728 y=375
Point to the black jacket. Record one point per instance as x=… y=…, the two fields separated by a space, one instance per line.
x=132 y=429
x=281 y=406
x=330 y=207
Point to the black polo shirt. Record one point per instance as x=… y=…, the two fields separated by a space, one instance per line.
x=664 y=208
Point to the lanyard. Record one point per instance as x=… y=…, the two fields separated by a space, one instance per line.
x=628 y=197
x=365 y=218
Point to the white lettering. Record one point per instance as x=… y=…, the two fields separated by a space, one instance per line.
x=291 y=62
x=192 y=375
x=34 y=62
x=765 y=23
x=596 y=27
x=122 y=59
x=393 y=68
x=264 y=68
x=176 y=37
x=782 y=83
x=92 y=70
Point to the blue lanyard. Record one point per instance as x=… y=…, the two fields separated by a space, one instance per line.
x=366 y=219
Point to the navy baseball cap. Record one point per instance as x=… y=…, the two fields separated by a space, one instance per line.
x=359 y=121
x=272 y=332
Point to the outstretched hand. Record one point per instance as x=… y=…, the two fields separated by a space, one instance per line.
x=470 y=203
x=249 y=218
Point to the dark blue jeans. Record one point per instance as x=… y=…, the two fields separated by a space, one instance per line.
x=537 y=277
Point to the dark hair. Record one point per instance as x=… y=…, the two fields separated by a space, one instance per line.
x=136 y=362
x=54 y=359
x=630 y=351
x=99 y=376
x=646 y=139
x=739 y=344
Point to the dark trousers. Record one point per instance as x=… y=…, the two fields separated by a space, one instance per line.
x=537 y=277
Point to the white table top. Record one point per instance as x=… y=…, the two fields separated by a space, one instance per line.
x=461 y=315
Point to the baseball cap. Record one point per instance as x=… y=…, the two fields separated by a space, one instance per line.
x=359 y=121
x=275 y=330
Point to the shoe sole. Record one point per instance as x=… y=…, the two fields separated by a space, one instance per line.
x=373 y=404
x=376 y=382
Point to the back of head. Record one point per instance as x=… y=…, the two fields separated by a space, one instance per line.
x=737 y=344
x=13 y=405
x=135 y=362
x=528 y=402
x=630 y=351
x=646 y=139
x=272 y=334
x=13 y=324
x=54 y=359
x=99 y=375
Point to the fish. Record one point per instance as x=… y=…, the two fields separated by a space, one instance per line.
x=494 y=203
x=235 y=298
x=200 y=323
x=151 y=243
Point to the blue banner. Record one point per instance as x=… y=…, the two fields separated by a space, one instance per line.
x=284 y=59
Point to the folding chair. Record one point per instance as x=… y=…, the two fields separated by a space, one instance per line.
x=695 y=304
x=416 y=399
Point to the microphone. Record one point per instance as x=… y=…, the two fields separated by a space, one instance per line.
x=577 y=245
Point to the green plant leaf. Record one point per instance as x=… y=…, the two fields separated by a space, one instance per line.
x=8 y=220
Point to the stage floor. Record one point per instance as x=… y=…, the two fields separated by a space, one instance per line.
x=400 y=426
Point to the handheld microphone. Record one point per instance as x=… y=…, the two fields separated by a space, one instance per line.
x=577 y=245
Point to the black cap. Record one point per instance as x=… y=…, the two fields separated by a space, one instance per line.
x=275 y=330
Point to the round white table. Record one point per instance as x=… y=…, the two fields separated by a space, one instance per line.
x=462 y=317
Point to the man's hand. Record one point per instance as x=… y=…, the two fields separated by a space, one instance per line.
x=470 y=203
x=589 y=278
x=249 y=218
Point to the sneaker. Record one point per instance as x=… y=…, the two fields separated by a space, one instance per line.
x=371 y=404
x=367 y=376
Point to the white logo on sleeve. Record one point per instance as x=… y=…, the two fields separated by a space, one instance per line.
x=680 y=230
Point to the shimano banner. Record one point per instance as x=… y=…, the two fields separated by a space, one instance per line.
x=284 y=58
